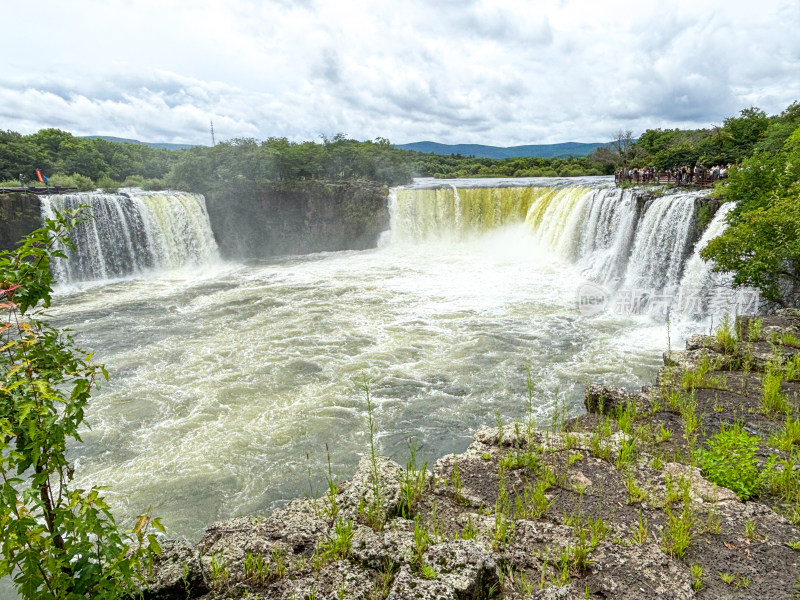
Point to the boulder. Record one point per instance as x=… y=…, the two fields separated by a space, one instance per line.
x=464 y=570
x=176 y=573
x=359 y=494
x=607 y=399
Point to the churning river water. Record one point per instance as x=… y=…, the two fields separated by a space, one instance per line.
x=229 y=380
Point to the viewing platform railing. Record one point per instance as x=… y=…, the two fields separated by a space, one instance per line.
x=39 y=191
x=706 y=179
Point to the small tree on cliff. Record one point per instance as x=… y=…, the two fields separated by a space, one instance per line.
x=57 y=541
x=623 y=145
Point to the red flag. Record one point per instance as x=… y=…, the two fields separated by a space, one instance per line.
x=39 y=175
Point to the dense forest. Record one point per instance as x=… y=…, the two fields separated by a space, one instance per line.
x=752 y=131
x=90 y=163
x=761 y=246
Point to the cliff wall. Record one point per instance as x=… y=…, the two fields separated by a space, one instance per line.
x=19 y=215
x=298 y=218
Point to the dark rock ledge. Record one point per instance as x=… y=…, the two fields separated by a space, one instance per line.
x=600 y=508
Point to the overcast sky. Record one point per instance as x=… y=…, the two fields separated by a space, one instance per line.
x=453 y=71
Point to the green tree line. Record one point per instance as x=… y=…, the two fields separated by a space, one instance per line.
x=738 y=138
x=89 y=163
x=61 y=156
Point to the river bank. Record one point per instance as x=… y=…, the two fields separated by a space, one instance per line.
x=610 y=504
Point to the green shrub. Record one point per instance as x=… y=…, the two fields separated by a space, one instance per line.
x=792 y=368
x=678 y=532
x=133 y=181
x=726 y=335
x=340 y=544
x=789 y=339
x=773 y=400
x=142 y=182
x=729 y=461
x=83 y=183
x=754 y=330
x=152 y=185
x=58 y=542
x=787 y=438
x=108 y=185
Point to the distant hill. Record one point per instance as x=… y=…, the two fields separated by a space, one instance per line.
x=562 y=150
x=157 y=145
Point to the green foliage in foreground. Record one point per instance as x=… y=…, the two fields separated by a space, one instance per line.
x=58 y=541
x=729 y=460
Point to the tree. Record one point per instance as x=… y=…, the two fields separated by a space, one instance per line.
x=657 y=140
x=676 y=156
x=58 y=542
x=746 y=130
x=81 y=156
x=761 y=246
x=623 y=146
x=18 y=157
x=605 y=158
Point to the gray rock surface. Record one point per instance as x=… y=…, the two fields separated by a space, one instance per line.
x=177 y=573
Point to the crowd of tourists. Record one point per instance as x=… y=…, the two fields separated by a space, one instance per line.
x=685 y=175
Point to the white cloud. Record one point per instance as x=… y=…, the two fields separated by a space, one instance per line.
x=502 y=73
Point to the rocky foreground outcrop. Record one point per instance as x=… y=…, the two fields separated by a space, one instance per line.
x=612 y=504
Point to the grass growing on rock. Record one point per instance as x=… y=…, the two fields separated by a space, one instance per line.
x=626 y=497
x=339 y=545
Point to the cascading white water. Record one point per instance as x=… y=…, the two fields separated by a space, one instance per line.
x=227 y=401
x=703 y=292
x=660 y=244
x=558 y=216
x=637 y=247
x=132 y=233
x=597 y=227
x=608 y=235
x=697 y=276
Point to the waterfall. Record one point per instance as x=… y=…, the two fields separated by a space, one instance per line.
x=588 y=225
x=593 y=226
x=131 y=233
x=631 y=243
x=608 y=235
x=556 y=216
x=456 y=213
x=660 y=244
x=703 y=292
